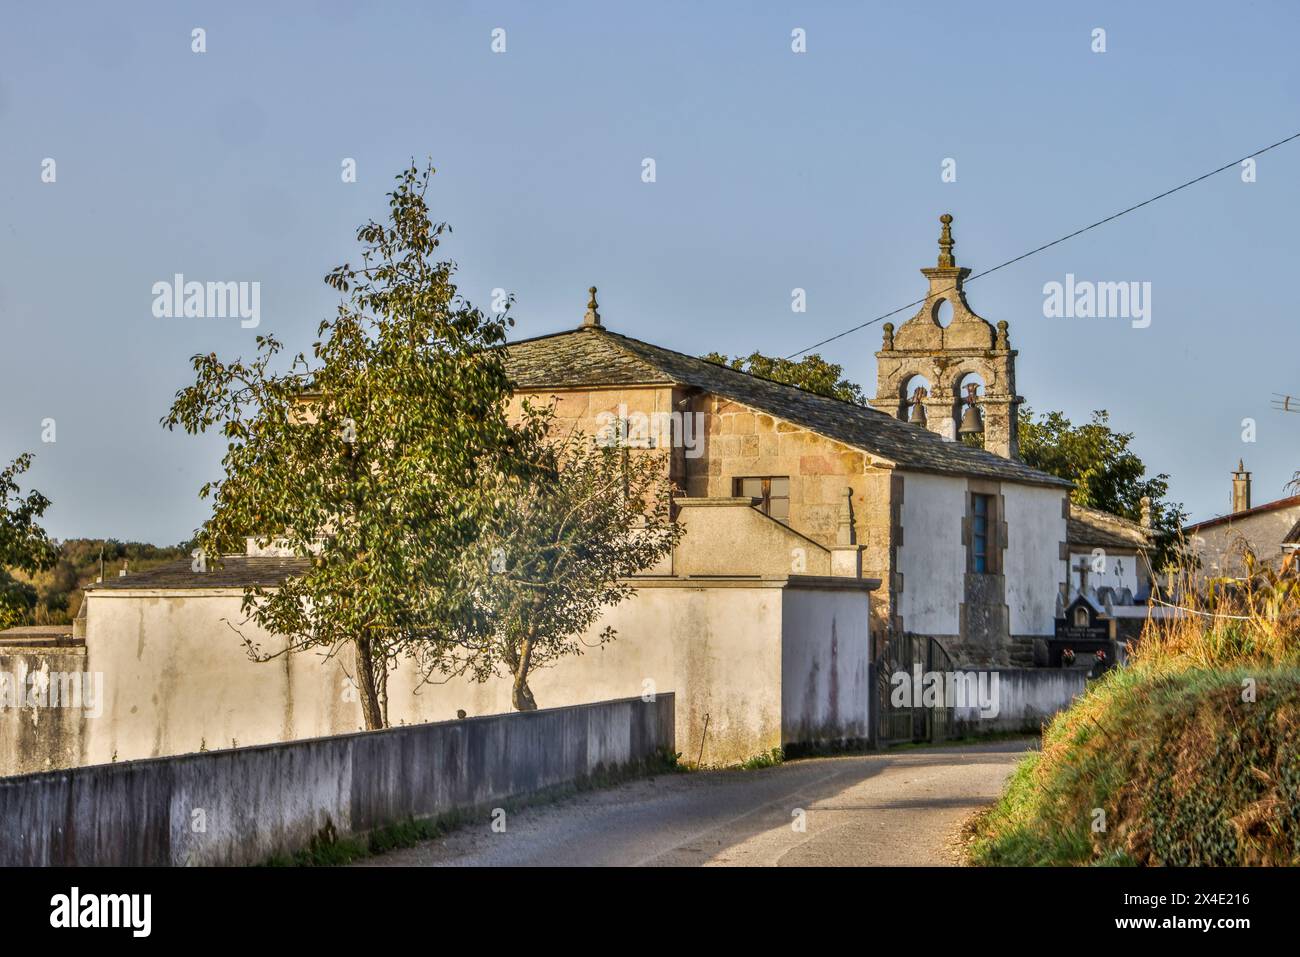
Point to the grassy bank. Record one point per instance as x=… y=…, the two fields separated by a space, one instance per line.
x=1189 y=756
x=1155 y=768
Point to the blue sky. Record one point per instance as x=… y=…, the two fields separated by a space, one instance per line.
x=775 y=170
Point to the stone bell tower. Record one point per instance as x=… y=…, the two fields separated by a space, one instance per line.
x=944 y=354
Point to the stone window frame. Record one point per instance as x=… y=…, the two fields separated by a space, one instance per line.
x=996 y=536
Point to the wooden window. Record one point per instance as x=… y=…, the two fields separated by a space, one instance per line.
x=774 y=490
x=981 y=522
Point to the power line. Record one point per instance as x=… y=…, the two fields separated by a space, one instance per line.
x=1054 y=242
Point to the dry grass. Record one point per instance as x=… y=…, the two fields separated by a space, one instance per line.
x=1188 y=756
x=1228 y=622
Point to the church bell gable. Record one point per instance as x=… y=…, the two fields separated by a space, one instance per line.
x=922 y=366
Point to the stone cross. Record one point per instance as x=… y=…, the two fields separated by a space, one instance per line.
x=1082 y=569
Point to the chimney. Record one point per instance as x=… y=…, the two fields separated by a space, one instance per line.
x=1240 y=488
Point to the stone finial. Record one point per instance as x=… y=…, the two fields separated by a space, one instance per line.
x=1004 y=337
x=889 y=337
x=946 y=242
x=1146 y=511
x=592 y=319
x=845 y=534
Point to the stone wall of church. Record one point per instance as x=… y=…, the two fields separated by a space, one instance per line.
x=725 y=441
x=742 y=442
x=912 y=528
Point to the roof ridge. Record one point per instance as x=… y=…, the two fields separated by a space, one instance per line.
x=1254 y=509
x=857 y=426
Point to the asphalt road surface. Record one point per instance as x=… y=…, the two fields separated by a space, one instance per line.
x=888 y=808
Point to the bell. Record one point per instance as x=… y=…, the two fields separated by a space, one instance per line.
x=917 y=415
x=971 y=423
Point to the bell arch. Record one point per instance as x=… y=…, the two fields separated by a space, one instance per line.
x=948 y=355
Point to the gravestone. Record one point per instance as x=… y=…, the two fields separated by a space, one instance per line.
x=1084 y=629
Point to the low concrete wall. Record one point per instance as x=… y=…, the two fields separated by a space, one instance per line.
x=1026 y=699
x=244 y=805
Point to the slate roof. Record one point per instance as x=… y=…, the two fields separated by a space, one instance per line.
x=1097 y=529
x=597 y=357
x=235 y=571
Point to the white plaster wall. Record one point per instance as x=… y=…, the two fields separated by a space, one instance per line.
x=825 y=654
x=932 y=558
x=1032 y=562
x=177 y=676
x=177 y=679
x=1121 y=571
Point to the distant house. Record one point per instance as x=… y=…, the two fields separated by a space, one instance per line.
x=1270 y=531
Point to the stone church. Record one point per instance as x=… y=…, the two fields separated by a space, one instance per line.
x=816 y=531
x=970 y=544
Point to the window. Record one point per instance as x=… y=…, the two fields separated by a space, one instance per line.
x=981 y=515
x=774 y=490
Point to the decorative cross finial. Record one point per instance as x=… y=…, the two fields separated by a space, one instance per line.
x=946 y=242
x=592 y=319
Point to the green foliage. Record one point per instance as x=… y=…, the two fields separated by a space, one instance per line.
x=764 y=759
x=558 y=552
x=379 y=457
x=1186 y=771
x=1108 y=475
x=59 y=587
x=811 y=373
x=24 y=546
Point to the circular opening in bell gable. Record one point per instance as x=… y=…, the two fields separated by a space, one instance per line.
x=943 y=312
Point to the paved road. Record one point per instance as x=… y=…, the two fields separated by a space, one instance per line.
x=900 y=807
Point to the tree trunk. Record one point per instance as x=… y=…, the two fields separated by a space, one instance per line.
x=367 y=687
x=520 y=695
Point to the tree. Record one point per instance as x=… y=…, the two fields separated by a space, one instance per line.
x=377 y=461
x=812 y=373
x=1106 y=473
x=560 y=553
x=24 y=545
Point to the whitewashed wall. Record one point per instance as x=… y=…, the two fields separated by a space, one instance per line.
x=1120 y=571
x=1032 y=562
x=932 y=558
x=177 y=677
x=825 y=666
